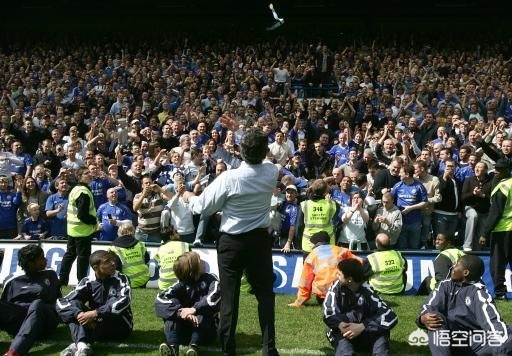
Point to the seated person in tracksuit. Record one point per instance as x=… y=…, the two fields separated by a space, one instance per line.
x=445 y=260
x=320 y=269
x=460 y=314
x=97 y=309
x=189 y=307
x=132 y=258
x=356 y=317
x=27 y=304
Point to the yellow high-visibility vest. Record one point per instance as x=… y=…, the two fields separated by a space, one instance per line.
x=388 y=268
x=317 y=217
x=75 y=227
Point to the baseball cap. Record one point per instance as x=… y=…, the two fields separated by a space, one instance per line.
x=320 y=236
x=291 y=186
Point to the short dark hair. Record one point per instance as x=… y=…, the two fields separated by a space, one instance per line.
x=351 y=267
x=97 y=256
x=408 y=169
x=254 y=146
x=475 y=266
x=28 y=254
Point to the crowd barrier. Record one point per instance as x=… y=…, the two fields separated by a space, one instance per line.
x=287 y=267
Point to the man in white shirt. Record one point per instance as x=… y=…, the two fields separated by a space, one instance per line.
x=243 y=195
x=280 y=150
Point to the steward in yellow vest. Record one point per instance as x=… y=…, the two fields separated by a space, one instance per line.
x=316 y=214
x=445 y=260
x=386 y=269
x=167 y=254
x=132 y=256
x=81 y=228
x=499 y=223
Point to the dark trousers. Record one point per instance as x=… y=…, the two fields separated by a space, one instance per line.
x=182 y=332
x=250 y=252
x=27 y=324
x=501 y=256
x=377 y=344
x=108 y=327
x=78 y=248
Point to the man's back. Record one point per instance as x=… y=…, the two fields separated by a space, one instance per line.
x=243 y=195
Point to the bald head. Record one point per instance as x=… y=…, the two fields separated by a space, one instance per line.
x=382 y=241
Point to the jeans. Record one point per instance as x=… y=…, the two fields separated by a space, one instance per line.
x=474 y=228
x=426 y=229
x=444 y=224
x=409 y=238
x=148 y=236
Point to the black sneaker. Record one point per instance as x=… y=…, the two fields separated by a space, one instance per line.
x=501 y=297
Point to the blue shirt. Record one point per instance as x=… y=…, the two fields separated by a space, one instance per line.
x=99 y=187
x=339 y=152
x=9 y=203
x=58 y=222
x=34 y=228
x=288 y=215
x=340 y=197
x=408 y=195
x=118 y=212
x=27 y=161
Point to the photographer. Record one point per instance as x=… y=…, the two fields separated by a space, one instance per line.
x=149 y=205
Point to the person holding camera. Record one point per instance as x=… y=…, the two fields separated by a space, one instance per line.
x=149 y=205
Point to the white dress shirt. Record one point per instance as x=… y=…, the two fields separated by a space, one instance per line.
x=242 y=194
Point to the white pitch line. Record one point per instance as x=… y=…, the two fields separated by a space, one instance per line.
x=294 y=351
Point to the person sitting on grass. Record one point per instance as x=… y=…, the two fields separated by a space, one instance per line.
x=445 y=260
x=462 y=306
x=386 y=269
x=98 y=309
x=356 y=317
x=172 y=248
x=27 y=304
x=319 y=269
x=132 y=258
x=189 y=308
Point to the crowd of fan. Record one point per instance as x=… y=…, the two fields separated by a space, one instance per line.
x=361 y=118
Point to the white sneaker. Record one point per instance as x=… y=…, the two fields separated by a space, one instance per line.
x=467 y=249
x=197 y=243
x=85 y=351
x=69 y=351
x=165 y=350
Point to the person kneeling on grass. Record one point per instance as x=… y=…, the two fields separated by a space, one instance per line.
x=27 y=305
x=319 y=269
x=189 y=308
x=356 y=317
x=460 y=314
x=97 y=309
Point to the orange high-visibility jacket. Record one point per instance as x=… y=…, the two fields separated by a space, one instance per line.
x=320 y=270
